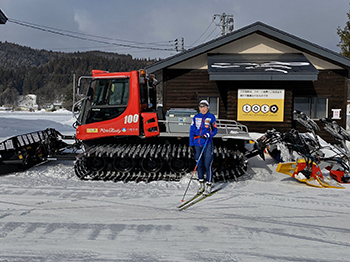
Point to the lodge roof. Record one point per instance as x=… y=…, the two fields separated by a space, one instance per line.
x=3 y=18
x=262 y=29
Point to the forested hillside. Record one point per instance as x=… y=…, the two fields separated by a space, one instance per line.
x=48 y=74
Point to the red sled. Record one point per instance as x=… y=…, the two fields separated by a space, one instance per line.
x=340 y=176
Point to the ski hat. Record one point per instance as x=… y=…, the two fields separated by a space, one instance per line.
x=204 y=103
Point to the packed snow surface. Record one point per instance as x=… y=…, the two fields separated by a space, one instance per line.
x=48 y=214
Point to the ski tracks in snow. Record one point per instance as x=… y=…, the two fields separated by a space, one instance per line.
x=47 y=214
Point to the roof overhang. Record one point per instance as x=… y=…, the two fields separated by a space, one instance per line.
x=3 y=18
x=261 y=67
x=259 y=28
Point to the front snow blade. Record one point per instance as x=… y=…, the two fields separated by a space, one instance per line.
x=290 y=168
x=301 y=170
x=24 y=151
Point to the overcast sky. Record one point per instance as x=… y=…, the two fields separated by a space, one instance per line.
x=141 y=22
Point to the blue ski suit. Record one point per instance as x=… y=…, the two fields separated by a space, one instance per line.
x=203 y=127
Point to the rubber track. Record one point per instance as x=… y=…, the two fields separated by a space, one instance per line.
x=228 y=164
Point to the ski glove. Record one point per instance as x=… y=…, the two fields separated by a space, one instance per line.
x=206 y=136
x=193 y=150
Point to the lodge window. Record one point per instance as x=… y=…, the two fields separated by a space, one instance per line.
x=314 y=107
x=214 y=104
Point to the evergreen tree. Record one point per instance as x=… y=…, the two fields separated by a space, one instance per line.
x=344 y=35
x=48 y=74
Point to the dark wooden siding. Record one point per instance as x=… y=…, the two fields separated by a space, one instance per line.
x=333 y=85
x=183 y=88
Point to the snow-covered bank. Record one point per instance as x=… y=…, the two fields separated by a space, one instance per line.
x=47 y=214
x=38 y=112
x=17 y=123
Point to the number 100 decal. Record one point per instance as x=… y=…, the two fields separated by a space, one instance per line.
x=129 y=119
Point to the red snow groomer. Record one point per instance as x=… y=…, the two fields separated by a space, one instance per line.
x=125 y=136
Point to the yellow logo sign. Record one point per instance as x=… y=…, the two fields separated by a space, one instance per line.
x=91 y=130
x=260 y=105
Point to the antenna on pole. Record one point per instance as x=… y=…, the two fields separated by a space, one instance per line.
x=225 y=22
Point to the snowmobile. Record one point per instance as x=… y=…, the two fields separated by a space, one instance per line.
x=125 y=137
x=305 y=154
x=290 y=145
x=339 y=162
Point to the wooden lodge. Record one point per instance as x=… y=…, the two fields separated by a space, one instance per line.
x=258 y=75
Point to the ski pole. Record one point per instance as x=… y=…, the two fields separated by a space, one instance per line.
x=195 y=168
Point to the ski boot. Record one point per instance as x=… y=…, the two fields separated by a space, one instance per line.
x=208 y=188
x=201 y=186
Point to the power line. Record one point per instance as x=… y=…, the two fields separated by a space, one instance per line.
x=209 y=34
x=225 y=22
x=202 y=33
x=84 y=37
x=217 y=35
x=90 y=35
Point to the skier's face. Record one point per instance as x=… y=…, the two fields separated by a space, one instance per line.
x=203 y=109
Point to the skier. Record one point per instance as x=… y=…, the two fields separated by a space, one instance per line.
x=203 y=128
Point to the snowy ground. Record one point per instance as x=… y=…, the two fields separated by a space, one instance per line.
x=47 y=214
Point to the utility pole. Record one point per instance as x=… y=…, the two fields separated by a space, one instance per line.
x=177 y=48
x=176 y=45
x=225 y=22
x=73 y=93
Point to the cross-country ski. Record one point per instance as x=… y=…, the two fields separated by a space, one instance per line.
x=197 y=198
